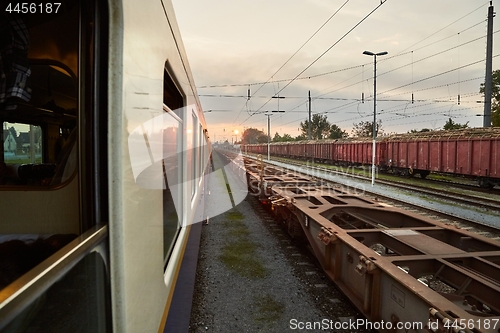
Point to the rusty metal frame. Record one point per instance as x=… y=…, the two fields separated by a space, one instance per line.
x=394 y=265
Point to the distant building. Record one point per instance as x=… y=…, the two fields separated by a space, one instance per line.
x=9 y=142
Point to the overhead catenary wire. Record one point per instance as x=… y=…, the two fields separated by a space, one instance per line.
x=300 y=48
x=327 y=50
x=411 y=47
x=413 y=82
x=411 y=63
x=308 y=77
x=362 y=65
x=307 y=41
x=439 y=74
x=356 y=101
x=352 y=99
x=444 y=104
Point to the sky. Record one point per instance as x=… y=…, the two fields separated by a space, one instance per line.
x=436 y=52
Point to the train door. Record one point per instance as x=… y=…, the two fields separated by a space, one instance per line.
x=53 y=168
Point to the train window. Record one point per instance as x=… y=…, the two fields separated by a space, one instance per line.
x=22 y=143
x=171 y=96
x=70 y=302
x=200 y=152
x=38 y=114
x=36 y=129
x=77 y=296
x=194 y=155
x=172 y=170
x=205 y=150
x=173 y=103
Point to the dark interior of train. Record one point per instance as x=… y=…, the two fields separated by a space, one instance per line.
x=39 y=94
x=44 y=60
x=38 y=113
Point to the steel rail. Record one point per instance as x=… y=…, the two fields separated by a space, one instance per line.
x=452 y=218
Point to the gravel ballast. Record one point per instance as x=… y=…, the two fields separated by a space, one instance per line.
x=288 y=291
x=251 y=277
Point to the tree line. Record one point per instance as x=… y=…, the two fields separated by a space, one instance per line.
x=321 y=128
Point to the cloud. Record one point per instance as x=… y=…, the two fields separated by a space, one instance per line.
x=226 y=47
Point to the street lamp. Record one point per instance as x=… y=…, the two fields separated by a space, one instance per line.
x=374 y=106
x=268 y=134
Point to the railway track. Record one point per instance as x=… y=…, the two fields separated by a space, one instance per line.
x=468 y=187
x=481 y=204
x=486 y=203
x=395 y=266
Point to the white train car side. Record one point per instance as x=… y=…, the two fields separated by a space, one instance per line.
x=102 y=165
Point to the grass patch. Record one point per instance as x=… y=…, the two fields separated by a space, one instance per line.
x=234 y=215
x=239 y=254
x=237 y=230
x=437 y=176
x=240 y=258
x=268 y=309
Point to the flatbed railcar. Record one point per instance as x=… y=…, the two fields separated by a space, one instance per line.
x=102 y=165
x=403 y=271
x=473 y=153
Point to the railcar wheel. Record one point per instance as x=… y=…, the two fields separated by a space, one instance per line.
x=424 y=174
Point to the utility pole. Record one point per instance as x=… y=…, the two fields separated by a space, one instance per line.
x=374 y=108
x=268 y=134
x=488 y=77
x=309 y=122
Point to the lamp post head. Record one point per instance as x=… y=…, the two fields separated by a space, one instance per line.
x=374 y=54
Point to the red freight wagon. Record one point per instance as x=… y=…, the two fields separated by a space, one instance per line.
x=477 y=154
x=467 y=152
x=358 y=152
x=363 y=152
x=257 y=149
x=321 y=151
x=275 y=149
x=309 y=149
x=298 y=150
x=325 y=150
x=342 y=152
x=313 y=150
x=284 y=149
x=407 y=155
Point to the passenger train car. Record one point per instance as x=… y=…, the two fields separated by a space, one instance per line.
x=102 y=163
x=473 y=153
